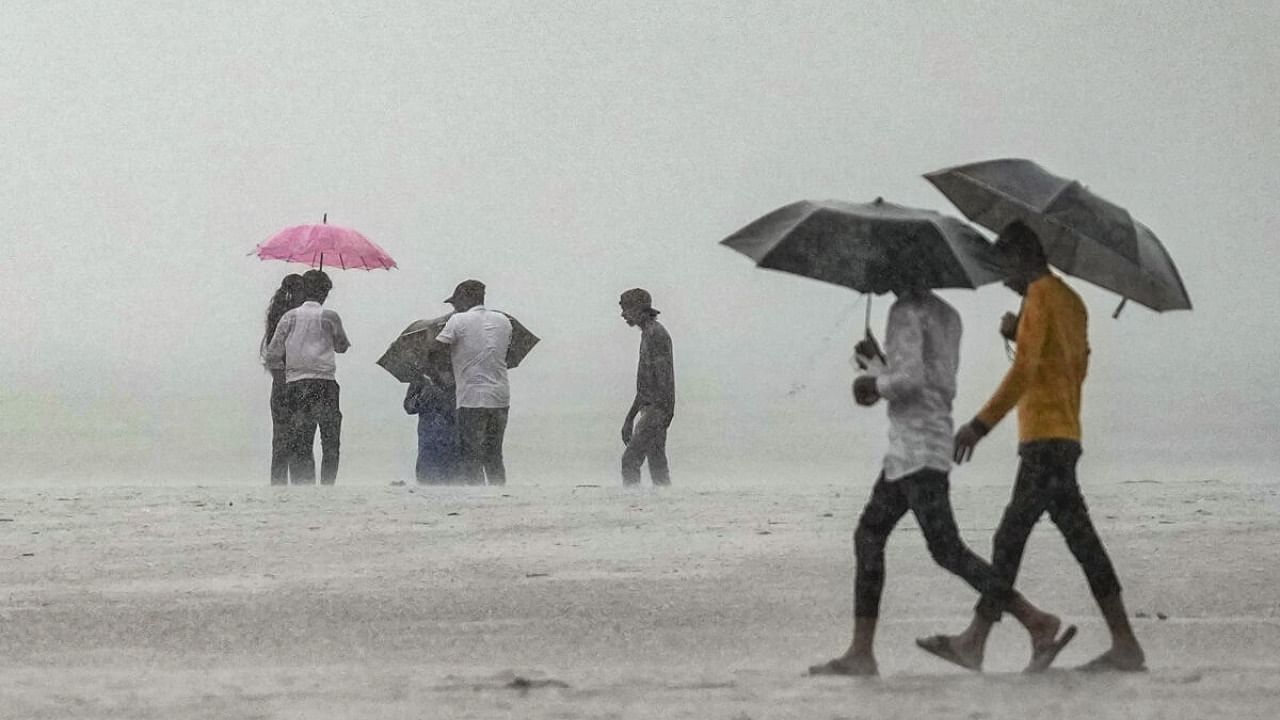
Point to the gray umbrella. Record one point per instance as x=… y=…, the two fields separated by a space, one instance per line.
x=860 y=245
x=1082 y=234
x=409 y=357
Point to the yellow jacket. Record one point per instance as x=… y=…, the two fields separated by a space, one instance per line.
x=1049 y=368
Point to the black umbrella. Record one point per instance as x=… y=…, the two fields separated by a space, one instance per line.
x=1082 y=234
x=408 y=358
x=865 y=245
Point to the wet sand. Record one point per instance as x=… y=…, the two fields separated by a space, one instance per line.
x=559 y=601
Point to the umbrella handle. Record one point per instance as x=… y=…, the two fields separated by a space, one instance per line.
x=866 y=324
x=1116 y=315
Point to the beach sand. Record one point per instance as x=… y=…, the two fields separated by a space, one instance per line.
x=557 y=600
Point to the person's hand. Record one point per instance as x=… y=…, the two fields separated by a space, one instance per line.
x=867 y=347
x=626 y=432
x=1009 y=327
x=864 y=391
x=967 y=438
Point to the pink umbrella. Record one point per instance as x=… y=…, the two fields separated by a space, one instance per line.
x=318 y=245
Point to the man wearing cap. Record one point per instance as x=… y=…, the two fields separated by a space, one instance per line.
x=478 y=339
x=645 y=429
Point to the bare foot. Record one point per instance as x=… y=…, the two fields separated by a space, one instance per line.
x=847 y=665
x=1117 y=659
x=953 y=649
x=1043 y=654
x=1044 y=630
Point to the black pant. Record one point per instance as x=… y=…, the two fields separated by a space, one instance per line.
x=648 y=442
x=312 y=404
x=480 y=433
x=925 y=493
x=280 y=434
x=1047 y=481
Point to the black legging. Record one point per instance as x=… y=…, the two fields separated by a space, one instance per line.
x=925 y=493
x=1047 y=482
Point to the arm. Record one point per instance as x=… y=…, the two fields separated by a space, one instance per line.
x=904 y=375
x=662 y=372
x=273 y=354
x=340 y=342
x=444 y=339
x=1032 y=331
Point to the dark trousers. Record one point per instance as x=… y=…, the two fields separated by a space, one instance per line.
x=926 y=494
x=279 y=435
x=480 y=434
x=313 y=404
x=648 y=442
x=1047 y=482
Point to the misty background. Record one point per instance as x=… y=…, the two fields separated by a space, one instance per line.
x=563 y=152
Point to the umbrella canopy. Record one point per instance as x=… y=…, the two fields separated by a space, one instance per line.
x=1083 y=235
x=862 y=245
x=325 y=246
x=408 y=358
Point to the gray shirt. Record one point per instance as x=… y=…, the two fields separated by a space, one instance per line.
x=655 y=373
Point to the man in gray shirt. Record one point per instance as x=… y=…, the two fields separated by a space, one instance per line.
x=645 y=430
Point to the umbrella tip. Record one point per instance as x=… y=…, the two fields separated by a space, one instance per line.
x=324 y=220
x=879 y=200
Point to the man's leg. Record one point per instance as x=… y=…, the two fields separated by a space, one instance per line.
x=886 y=507
x=302 y=432
x=659 y=471
x=329 y=417
x=471 y=427
x=1025 y=507
x=643 y=436
x=495 y=430
x=928 y=494
x=1069 y=512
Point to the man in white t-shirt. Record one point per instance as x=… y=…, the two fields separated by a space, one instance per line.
x=303 y=346
x=478 y=339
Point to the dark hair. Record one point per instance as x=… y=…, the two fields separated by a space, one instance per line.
x=315 y=285
x=287 y=297
x=1019 y=244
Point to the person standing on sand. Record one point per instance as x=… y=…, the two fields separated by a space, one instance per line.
x=1044 y=383
x=478 y=339
x=432 y=399
x=303 y=345
x=918 y=379
x=287 y=297
x=644 y=432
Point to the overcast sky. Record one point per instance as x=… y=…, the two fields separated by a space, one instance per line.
x=565 y=151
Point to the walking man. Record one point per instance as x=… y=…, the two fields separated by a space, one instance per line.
x=303 y=345
x=478 y=339
x=644 y=432
x=918 y=379
x=1044 y=383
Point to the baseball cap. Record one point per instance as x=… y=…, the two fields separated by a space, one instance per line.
x=637 y=298
x=467 y=288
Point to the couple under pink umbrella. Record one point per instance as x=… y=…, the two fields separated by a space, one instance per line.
x=299 y=344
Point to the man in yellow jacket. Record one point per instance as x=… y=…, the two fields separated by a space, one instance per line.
x=1044 y=384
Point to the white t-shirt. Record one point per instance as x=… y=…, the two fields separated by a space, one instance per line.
x=479 y=338
x=304 y=343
